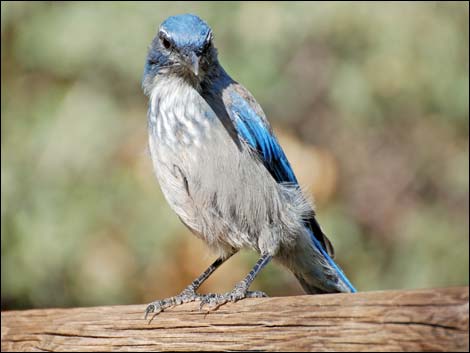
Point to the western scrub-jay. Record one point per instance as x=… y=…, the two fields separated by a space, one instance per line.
x=222 y=170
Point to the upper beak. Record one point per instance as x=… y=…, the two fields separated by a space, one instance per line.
x=194 y=63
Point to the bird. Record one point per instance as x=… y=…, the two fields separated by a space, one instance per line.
x=222 y=170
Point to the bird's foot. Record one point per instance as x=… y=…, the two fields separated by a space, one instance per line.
x=213 y=301
x=186 y=296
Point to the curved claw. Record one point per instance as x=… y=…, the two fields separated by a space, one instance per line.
x=150 y=309
x=207 y=300
x=155 y=307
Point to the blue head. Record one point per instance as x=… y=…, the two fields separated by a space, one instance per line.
x=183 y=47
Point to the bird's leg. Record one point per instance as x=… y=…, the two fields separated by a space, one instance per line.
x=241 y=288
x=188 y=294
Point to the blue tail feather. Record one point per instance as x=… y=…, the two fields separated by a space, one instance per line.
x=332 y=263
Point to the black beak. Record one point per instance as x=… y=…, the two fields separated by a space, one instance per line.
x=193 y=61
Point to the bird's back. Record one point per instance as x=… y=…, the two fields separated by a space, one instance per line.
x=319 y=273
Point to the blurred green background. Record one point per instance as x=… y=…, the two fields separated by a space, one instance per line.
x=369 y=100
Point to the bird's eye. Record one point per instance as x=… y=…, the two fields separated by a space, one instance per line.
x=166 y=43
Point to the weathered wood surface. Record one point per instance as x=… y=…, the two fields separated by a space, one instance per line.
x=418 y=320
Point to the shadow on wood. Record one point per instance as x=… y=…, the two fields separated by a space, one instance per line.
x=417 y=320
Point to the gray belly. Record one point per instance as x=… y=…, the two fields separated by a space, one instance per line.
x=218 y=188
x=210 y=184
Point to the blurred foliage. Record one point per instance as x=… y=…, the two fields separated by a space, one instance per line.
x=370 y=101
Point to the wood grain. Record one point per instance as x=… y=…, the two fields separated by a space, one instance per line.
x=415 y=320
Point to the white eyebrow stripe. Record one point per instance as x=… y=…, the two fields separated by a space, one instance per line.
x=208 y=37
x=164 y=32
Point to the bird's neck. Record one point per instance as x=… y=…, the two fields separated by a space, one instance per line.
x=171 y=90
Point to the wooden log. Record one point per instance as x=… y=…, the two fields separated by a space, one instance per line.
x=406 y=320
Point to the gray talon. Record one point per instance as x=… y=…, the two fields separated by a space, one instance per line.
x=150 y=309
x=212 y=300
x=186 y=296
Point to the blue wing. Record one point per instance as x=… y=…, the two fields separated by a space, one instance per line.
x=255 y=130
x=252 y=127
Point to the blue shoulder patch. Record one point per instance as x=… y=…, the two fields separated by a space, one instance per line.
x=257 y=134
